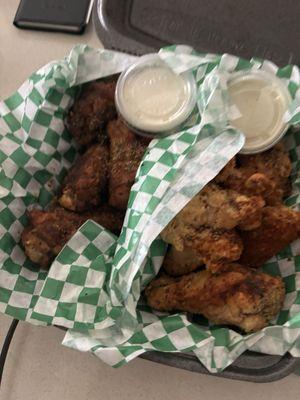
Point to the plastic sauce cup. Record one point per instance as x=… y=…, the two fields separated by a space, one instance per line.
x=152 y=99
x=259 y=101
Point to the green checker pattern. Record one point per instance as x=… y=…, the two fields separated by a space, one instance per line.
x=94 y=285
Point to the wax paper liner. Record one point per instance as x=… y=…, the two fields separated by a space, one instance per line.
x=94 y=285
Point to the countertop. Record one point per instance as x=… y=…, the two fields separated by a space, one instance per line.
x=38 y=367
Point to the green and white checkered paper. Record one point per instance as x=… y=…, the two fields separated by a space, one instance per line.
x=94 y=285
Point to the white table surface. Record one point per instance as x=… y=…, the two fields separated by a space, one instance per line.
x=38 y=367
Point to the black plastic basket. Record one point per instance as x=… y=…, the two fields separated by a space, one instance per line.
x=243 y=28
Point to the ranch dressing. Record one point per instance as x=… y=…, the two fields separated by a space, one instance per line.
x=151 y=98
x=259 y=101
x=154 y=97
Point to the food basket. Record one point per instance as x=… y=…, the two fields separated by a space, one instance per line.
x=139 y=27
x=95 y=285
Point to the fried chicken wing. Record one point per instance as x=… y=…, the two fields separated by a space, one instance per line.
x=280 y=226
x=48 y=231
x=227 y=171
x=86 y=180
x=222 y=209
x=238 y=296
x=205 y=227
x=126 y=152
x=91 y=111
x=213 y=247
x=178 y=263
x=265 y=174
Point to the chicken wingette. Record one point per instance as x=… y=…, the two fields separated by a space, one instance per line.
x=48 y=231
x=265 y=174
x=222 y=209
x=280 y=227
x=178 y=263
x=91 y=111
x=214 y=248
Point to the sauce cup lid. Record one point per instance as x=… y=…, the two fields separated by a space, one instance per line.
x=152 y=98
x=259 y=101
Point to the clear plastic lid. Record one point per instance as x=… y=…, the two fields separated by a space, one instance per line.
x=259 y=101
x=152 y=98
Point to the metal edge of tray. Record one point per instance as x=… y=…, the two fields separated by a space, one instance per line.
x=252 y=367
x=249 y=366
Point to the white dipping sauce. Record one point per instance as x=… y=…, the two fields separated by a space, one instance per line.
x=154 y=96
x=261 y=101
x=152 y=99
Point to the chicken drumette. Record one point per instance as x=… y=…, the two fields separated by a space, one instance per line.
x=91 y=111
x=126 y=152
x=238 y=296
x=86 y=181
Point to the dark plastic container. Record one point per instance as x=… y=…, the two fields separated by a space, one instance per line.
x=245 y=28
x=267 y=29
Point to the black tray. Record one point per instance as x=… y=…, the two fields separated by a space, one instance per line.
x=250 y=366
x=143 y=26
x=268 y=29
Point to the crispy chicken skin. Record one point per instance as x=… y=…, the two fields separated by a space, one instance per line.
x=205 y=227
x=280 y=226
x=226 y=172
x=91 y=111
x=126 y=152
x=222 y=209
x=178 y=263
x=48 y=231
x=86 y=180
x=213 y=247
x=238 y=296
x=266 y=174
